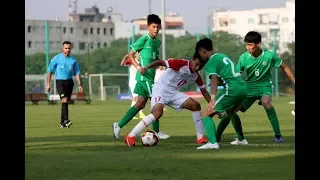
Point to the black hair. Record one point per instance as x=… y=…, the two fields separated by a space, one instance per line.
x=205 y=43
x=152 y=18
x=196 y=55
x=66 y=42
x=252 y=37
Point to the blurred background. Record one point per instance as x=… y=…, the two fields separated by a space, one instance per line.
x=101 y=32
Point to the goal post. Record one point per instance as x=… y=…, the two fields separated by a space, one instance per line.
x=98 y=87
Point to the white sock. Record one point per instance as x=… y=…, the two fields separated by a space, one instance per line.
x=196 y=116
x=145 y=122
x=133 y=103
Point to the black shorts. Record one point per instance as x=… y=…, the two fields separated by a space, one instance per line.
x=65 y=88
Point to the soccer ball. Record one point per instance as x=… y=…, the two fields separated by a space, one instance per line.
x=149 y=138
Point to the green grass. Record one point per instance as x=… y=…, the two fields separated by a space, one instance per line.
x=87 y=150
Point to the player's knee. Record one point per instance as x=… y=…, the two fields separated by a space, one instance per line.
x=240 y=108
x=266 y=102
x=64 y=100
x=140 y=105
x=157 y=112
x=196 y=106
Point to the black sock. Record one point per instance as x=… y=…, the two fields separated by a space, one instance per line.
x=64 y=112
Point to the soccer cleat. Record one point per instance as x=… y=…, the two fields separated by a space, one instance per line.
x=202 y=140
x=116 y=130
x=68 y=123
x=209 y=146
x=135 y=117
x=163 y=136
x=130 y=141
x=141 y=116
x=62 y=125
x=293 y=112
x=278 y=139
x=237 y=142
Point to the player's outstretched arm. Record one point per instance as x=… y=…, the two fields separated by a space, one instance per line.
x=130 y=56
x=288 y=71
x=123 y=60
x=205 y=94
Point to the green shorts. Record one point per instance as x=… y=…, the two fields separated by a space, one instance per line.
x=143 y=88
x=228 y=100
x=255 y=93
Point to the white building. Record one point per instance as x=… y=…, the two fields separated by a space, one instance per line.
x=263 y=20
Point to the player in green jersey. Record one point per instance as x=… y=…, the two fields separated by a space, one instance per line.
x=220 y=70
x=148 y=47
x=257 y=63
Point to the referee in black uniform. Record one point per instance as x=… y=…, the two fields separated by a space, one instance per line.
x=65 y=67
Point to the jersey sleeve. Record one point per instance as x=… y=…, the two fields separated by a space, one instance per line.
x=138 y=45
x=211 y=69
x=199 y=81
x=275 y=61
x=53 y=64
x=76 y=68
x=176 y=64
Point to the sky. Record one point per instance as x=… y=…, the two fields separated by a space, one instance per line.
x=194 y=12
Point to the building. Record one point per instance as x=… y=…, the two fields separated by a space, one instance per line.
x=174 y=25
x=266 y=21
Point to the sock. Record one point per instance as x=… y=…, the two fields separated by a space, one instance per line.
x=64 y=112
x=145 y=122
x=132 y=103
x=128 y=116
x=236 y=122
x=210 y=128
x=223 y=124
x=273 y=118
x=196 y=116
x=156 y=126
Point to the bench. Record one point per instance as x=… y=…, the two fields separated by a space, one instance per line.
x=36 y=97
x=79 y=97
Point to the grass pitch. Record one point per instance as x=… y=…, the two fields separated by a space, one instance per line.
x=87 y=150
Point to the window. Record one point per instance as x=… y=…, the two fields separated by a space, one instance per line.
x=71 y=30
x=250 y=21
x=82 y=45
x=29 y=29
x=105 y=44
x=85 y=31
x=263 y=19
x=111 y=31
x=64 y=30
x=29 y=44
x=98 y=45
x=91 y=30
x=104 y=31
x=98 y=30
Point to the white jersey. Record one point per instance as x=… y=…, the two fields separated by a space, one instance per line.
x=158 y=74
x=177 y=75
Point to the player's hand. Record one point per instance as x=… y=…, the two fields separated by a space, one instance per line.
x=48 y=88
x=143 y=70
x=212 y=103
x=80 y=89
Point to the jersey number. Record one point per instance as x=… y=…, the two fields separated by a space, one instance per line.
x=157 y=99
x=154 y=55
x=228 y=61
x=181 y=83
x=256 y=72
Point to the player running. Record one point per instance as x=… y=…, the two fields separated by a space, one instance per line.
x=257 y=63
x=166 y=92
x=222 y=71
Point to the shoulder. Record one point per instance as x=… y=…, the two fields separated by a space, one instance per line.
x=73 y=58
x=144 y=37
x=158 y=40
x=57 y=56
x=268 y=53
x=244 y=55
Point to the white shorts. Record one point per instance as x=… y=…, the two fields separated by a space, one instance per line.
x=174 y=99
x=132 y=85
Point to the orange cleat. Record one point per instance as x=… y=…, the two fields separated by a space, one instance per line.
x=129 y=141
x=202 y=140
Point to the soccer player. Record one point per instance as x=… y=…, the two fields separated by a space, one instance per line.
x=132 y=80
x=222 y=71
x=166 y=92
x=65 y=67
x=148 y=47
x=257 y=63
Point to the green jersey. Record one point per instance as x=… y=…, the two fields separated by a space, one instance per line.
x=259 y=69
x=220 y=65
x=148 y=49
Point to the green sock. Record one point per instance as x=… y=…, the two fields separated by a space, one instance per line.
x=128 y=116
x=273 y=118
x=156 y=126
x=225 y=120
x=210 y=129
x=236 y=122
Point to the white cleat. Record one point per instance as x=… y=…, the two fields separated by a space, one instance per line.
x=237 y=142
x=209 y=146
x=293 y=113
x=163 y=136
x=116 y=130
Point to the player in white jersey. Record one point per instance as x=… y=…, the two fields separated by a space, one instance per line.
x=166 y=92
x=159 y=71
x=132 y=80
